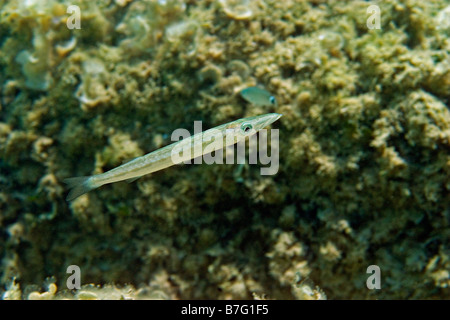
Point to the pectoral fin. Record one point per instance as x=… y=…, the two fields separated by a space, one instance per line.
x=132 y=179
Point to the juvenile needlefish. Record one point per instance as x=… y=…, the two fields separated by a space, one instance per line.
x=258 y=96
x=162 y=158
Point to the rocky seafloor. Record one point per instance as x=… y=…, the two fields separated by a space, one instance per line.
x=364 y=173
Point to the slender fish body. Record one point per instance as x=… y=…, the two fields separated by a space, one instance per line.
x=163 y=157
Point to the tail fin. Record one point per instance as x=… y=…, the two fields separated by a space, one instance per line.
x=78 y=186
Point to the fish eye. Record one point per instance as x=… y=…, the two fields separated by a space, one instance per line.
x=246 y=127
x=272 y=100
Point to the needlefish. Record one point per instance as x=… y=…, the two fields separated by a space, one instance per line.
x=163 y=157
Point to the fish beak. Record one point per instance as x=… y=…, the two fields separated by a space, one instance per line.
x=269 y=119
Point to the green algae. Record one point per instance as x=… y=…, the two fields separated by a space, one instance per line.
x=364 y=149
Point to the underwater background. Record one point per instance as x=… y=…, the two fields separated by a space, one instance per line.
x=364 y=174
